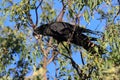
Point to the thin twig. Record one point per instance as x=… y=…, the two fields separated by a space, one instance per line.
x=66 y=47
x=61 y=14
x=75 y=66
x=90 y=72
x=56 y=71
x=45 y=52
x=118 y=10
x=29 y=18
x=82 y=58
x=54 y=54
x=69 y=39
x=36 y=11
x=40 y=42
x=39 y=4
x=36 y=16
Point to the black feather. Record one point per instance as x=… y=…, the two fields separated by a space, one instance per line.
x=62 y=31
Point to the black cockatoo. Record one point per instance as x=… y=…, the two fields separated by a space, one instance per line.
x=62 y=31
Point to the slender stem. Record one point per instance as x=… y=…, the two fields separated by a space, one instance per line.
x=45 y=67
x=61 y=14
x=75 y=66
x=36 y=11
x=82 y=58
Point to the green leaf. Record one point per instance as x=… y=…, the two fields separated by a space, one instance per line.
x=86 y=16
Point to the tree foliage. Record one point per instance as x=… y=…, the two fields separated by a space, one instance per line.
x=24 y=57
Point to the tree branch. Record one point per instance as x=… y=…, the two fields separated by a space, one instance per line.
x=118 y=10
x=45 y=52
x=75 y=66
x=54 y=54
x=61 y=14
x=36 y=11
x=29 y=18
x=40 y=43
x=82 y=57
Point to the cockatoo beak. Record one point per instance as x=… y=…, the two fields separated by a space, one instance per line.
x=38 y=36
